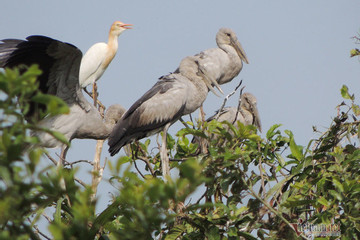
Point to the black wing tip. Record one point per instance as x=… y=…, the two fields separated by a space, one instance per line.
x=114 y=149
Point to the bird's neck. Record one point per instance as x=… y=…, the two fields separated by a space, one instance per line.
x=113 y=42
x=229 y=50
x=112 y=49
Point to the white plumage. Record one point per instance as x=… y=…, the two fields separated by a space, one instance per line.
x=99 y=56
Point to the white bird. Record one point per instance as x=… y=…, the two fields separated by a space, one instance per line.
x=60 y=64
x=99 y=56
x=248 y=113
x=219 y=65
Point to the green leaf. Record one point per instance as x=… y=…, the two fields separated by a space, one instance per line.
x=271 y=132
x=247 y=235
x=345 y=92
x=276 y=187
x=338 y=184
x=295 y=149
x=175 y=232
x=356 y=109
x=57 y=214
x=213 y=234
x=354 y=52
x=323 y=201
x=335 y=194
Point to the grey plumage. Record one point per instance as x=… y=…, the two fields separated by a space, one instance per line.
x=170 y=98
x=217 y=65
x=181 y=92
x=247 y=114
x=60 y=63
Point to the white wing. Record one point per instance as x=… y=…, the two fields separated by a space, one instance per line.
x=90 y=68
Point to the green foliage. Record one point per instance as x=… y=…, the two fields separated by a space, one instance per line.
x=23 y=189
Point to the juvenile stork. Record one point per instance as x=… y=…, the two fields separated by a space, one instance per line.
x=248 y=113
x=170 y=98
x=217 y=65
x=60 y=64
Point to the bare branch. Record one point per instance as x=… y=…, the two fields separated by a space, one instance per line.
x=78 y=161
x=47 y=217
x=97 y=172
x=138 y=170
x=51 y=159
x=226 y=99
x=80 y=182
x=146 y=160
x=37 y=230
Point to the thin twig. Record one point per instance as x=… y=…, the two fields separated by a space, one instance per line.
x=41 y=233
x=191 y=119
x=226 y=99
x=47 y=217
x=138 y=170
x=262 y=177
x=238 y=110
x=177 y=160
x=184 y=123
x=146 y=160
x=202 y=196
x=80 y=182
x=78 y=161
x=51 y=159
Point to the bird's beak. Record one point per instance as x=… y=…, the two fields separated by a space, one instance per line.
x=127 y=26
x=240 y=51
x=210 y=82
x=209 y=85
x=257 y=121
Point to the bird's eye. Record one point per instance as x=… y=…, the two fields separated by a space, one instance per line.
x=228 y=34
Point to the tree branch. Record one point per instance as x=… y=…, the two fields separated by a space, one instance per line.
x=226 y=99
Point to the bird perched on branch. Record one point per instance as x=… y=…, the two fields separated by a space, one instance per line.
x=99 y=56
x=60 y=64
x=247 y=114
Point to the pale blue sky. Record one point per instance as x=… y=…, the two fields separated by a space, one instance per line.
x=298 y=50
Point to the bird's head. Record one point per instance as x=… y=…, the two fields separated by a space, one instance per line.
x=118 y=27
x=226 y=36
x=114 y=113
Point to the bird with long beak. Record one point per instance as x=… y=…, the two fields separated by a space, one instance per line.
x=247 y=114
x=99 y=56
x=216 y=65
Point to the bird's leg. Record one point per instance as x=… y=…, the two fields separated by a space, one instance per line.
x=97 y=100
x=165 y=163
x=85 y=90
x=94 y=93
x=63 y=155
x=202 y=142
